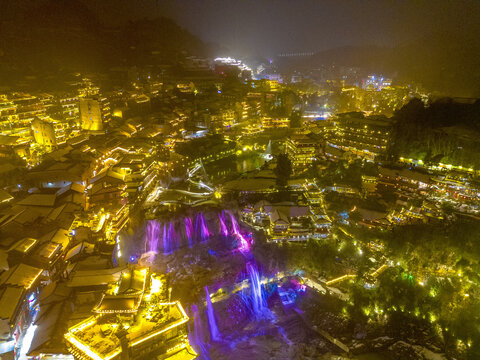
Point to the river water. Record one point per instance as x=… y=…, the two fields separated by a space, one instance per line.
x=232 y=167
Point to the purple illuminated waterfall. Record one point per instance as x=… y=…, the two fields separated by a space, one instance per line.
x=234 y=222
x=223 y=226
x=201 y=228
x=198 y=227
x=257 y=298
x=197 y=337
x=152 y=236
x=172 y=237
x=244 y=245
x=165 y=240
x=214 y=334
x=189 y=231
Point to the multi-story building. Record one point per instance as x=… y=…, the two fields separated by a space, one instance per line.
x=376 y=82
x=133 y=320
x=69 y=107
x=364 y=136
x=28 y=107
x=8 y=112
x=228 y=118
x=301 y=150
x=44 y=133
x=274 y=123
x=94 y=112
x=17 y=112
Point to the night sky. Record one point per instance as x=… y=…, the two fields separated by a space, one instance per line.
x=266 y=28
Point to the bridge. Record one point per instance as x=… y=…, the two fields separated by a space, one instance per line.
x=197 y=177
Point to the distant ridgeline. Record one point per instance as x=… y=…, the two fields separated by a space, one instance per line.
x=446 y=131
x=52 y=35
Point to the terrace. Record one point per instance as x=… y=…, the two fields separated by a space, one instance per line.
x=132 y=316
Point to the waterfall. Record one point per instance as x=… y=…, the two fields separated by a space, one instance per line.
x=165 y=240
x=214 y=333
x=197 y=338
x=205 y=234
x=244 y=245
x=189 y=231
x=257 y=298
x=152 y=236
x=223 y=226
x=172 y=237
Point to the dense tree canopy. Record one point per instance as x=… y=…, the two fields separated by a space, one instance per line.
x=283 y=170
x=443 y=131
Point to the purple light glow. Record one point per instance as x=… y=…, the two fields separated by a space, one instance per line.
x=152 y=236
x=223 y=226
x=165 y=240
x=189 y=231
x=197 y=338
x=214 y=333
x=201 y=227
x=172 y=237
x=244 y=245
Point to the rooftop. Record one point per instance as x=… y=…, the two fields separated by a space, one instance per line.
x=98 y=337
x=21 y=275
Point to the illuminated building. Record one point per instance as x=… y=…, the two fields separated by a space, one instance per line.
x=274 y=123
x=44 y=133
x=225 y=62
x=108 y=187
x=88 y=88
x=301 y=151
x=228 y=118
x=405 y=180
x=140 y=104
x=274 y=84
x=17 y=112
x=133 y=321
x=94 y=112
x=364 y=136
x=283 y=222
x=7 y=114
x=369 y=184
x=70 y=107
x=18 y=289
x=373 y=82
x=186 y=87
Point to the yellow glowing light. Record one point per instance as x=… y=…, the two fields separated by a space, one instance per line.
x=344 y=277
x=31 y=243
x=101 y=222
x=34 y=279
x=156 y=286
x=53 y=251
x=82 y=347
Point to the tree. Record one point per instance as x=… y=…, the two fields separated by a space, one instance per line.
x=283 y=171
x=296 y=120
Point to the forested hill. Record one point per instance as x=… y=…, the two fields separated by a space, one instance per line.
x=444 y=131
x=58 y=35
